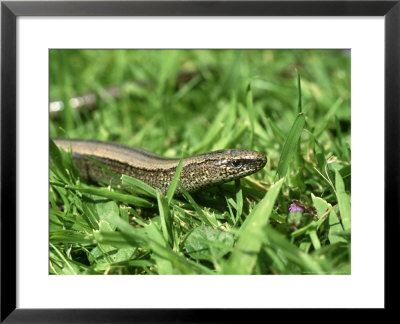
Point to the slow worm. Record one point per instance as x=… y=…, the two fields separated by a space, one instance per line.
x=198 y=171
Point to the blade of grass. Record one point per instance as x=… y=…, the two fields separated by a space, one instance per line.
x=105 y=169
x=111 y=238
x=299 y=159
x=214 y=131
x=343 y=201
x=58 y=162
x=164 y=265
x=244 y=255
x=289 y=148
x=102 y=192
x=229 y=203
x=303 y=229
x=335 y=228
x=183 y=265
x=73 y=237
x=293 y=253
x=137 y=184
x=70 y=265
x=314 y=239
x=344 y=148
x=174 y=183
x=90 y=215
x=300 y=103
x=239 y=200
x=321 y=127
x=166 y=221
x=251 y=112
x=202 y=215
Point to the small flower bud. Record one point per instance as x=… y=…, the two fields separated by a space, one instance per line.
x=295 y=215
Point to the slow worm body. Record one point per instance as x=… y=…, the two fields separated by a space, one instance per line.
x=198 y=172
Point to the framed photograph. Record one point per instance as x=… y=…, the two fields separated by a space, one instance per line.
x=159 y=158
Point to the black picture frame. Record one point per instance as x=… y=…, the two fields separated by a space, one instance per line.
x=10 y=10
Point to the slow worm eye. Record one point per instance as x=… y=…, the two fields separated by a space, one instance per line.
x=236 y=163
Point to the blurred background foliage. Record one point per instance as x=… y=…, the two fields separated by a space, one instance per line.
x=171 y=97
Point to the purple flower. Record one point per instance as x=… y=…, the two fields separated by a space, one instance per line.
x=293 y=208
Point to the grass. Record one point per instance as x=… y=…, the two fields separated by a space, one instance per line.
x=291 y=105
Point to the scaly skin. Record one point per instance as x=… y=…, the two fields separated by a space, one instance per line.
x=198 y=172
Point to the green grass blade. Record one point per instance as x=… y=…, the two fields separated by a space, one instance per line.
x=244 y=255
x=174 y=182
x=300 y=103
x=289 y=147
x=251 y=112
x=299 y=110
x=239 y=200
x=138 y=185
x=344 y=201
x=73 y=237
x=70 y=266
x=303 y=229
x=321 y=127
x=182 y=265
x=111 y=238
x=201 y=214
x=58 y=162
x=128 y=199
x=335 y=228
x=153 y=232
x=166 y=221
x=105 y=169
x=214 y=131
x=314 y=239
x=319 y=151
x=293 y=253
